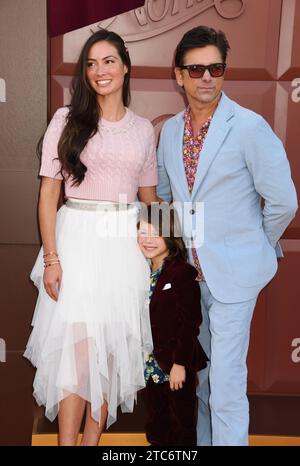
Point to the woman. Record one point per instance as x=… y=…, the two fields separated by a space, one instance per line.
x=87 y=339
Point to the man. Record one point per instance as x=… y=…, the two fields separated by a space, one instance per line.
x=228 y=158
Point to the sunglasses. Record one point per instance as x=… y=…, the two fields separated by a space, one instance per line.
x=216 y=70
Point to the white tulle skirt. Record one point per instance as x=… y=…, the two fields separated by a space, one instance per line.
x=92 y=341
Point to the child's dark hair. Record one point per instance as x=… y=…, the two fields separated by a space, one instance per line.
x=163 y=217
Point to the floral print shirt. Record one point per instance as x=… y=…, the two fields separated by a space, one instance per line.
x=192 y=147
x=152 y=368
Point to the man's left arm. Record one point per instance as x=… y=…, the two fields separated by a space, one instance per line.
x=267 y=161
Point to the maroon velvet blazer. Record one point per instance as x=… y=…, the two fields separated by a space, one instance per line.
x=175 y=313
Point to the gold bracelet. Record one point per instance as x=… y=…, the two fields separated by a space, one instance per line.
x=50 y=254
x=51 y=263
x=51 y=260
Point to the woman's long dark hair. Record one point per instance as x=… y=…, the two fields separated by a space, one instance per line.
x=84 y=114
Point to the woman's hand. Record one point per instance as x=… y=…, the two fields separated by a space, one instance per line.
x=52 y=280
x=147 y=194
x=177 y=377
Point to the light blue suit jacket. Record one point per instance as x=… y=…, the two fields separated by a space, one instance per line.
x=241 y=163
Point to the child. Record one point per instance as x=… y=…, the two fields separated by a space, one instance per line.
x=175 y=313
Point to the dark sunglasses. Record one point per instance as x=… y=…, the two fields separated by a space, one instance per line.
x=216 y=70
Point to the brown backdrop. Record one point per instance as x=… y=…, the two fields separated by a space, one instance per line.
x=263 y=66
x=263 y=74
x=23 y=116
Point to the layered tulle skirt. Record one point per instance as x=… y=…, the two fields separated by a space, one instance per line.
x=92 y=340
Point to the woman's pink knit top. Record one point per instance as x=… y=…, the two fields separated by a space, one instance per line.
x=119 y=158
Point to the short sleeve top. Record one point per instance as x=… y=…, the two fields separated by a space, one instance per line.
x=120 y=158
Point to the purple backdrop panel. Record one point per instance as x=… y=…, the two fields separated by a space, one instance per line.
x=74 y=14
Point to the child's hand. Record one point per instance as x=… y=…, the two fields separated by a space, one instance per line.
x=177 y=377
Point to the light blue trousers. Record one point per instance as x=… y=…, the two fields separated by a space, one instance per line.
x=223 y=413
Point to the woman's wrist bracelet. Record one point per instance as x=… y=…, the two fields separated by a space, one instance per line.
x=50 y=253
x=51 y=263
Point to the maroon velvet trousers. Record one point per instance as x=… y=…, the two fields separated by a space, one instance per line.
x=172 y=415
